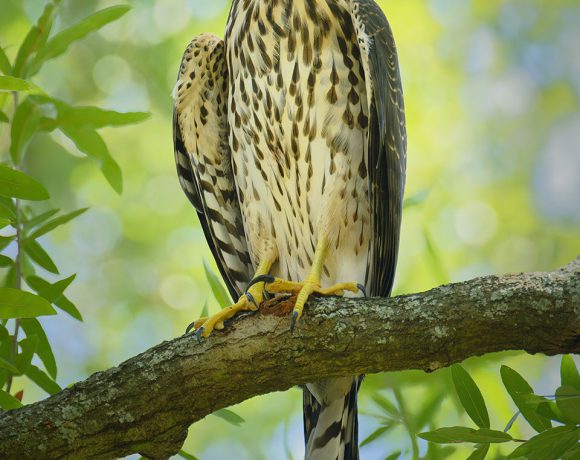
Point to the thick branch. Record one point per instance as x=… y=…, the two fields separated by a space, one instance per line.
x=147 y=403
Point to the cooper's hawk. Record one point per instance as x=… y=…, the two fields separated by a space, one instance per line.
x=290 y=142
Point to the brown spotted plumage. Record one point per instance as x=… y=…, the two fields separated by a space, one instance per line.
x=290 y=142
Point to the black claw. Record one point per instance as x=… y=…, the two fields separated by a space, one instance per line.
x=189 y=328
x=260 y=279
x=198 y=334
x=362 y=289
x=293 y=322
x=251 y=299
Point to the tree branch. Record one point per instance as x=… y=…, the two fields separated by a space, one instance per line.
x=147 y=403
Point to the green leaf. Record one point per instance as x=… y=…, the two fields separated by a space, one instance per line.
x=393 y=456
x=386 y=405
x=58 y=44
x=229 y=416
x=51 y=292
x=5 y=261
x=7 y=208
x=4 y=337
x=7 y=401
x=69 y=116
x=463 y=434
x=8 y=83
x=39 y=219
x=439 y=452
x=186 y=456
x=552 y=443
x=33 y=328
x=428 y=411
x=51 y=225
x=67 y=306
x=5 y=66
x=550 y=410
x=92 y=144
x=9 y=366
x=10 y=278
x=54 y=293
x=6 y=240
x=3 y=117
x=568 y=401
x=4 y=222
x=95 y=117
x=24 y=124
x=375 y=435
x=219 y=292
x=416 y=199
x=16 y=184
x=204 y=311
x=573 y=453
x=35 y=39
x=518 y=388
x=22 y=361
x=42 y=380
x=470 y=396
x=479 y=453
x=15 y=303
x=37 y=253
x=569 y=373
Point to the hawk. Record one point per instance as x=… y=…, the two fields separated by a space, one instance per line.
x=290 y=143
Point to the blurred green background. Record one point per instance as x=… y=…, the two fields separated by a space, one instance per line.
x=492 y=92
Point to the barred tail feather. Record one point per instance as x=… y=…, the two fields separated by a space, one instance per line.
x=330 y=419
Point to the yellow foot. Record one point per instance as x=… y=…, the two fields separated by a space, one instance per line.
x=248 y=302
x=304 y=290
x=313 y=287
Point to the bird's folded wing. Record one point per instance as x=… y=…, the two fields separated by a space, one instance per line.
x=203 y=157
x=387 y=142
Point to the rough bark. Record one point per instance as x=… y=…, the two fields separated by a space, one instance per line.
x=147 y=403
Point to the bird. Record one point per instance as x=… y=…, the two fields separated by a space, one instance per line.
x=290 y=142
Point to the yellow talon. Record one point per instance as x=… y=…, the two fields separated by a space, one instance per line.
x=254 y=296
x=311 y=285
x=247 y=302
x=292 y=287
x=217 y=321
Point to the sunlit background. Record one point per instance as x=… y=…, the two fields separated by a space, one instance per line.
x=492 y=93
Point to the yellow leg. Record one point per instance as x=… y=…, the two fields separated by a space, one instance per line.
x=278 y=285
x=312 y=283
x=309 y=286
x=205 y=326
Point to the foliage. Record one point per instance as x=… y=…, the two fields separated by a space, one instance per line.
x=540 y=412
x=26 y=294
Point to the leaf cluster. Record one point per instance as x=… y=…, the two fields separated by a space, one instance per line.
x=31 y=285
x=555 y=418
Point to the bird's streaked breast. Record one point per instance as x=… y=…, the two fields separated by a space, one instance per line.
x=298 y=116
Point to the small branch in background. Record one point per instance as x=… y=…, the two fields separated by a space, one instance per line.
x=17 y=270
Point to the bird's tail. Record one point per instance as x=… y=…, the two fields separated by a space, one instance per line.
x=330 y=419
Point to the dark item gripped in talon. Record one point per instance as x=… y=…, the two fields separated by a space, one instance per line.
x=362 y=289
